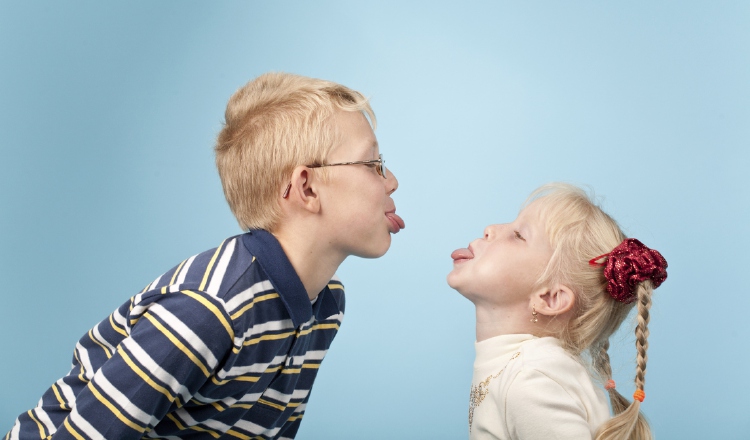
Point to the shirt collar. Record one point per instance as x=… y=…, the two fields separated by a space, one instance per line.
x=271 y=257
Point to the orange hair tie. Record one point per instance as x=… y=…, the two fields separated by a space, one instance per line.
x=639 y=395
x=610 y=385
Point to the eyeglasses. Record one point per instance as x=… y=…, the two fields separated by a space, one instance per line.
x=381 y=169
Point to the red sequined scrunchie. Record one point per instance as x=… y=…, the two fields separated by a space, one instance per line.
x=627 y=265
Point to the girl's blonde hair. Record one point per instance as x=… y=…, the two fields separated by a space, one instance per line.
x=274 y=123
x=578 y=231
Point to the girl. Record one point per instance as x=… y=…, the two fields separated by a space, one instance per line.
x=549 y=290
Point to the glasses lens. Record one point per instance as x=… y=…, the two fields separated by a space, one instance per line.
x=382 y=167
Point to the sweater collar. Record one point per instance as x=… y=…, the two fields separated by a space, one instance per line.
x=498 y=347
x=274 y=262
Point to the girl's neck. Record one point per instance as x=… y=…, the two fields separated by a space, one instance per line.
x=492 y=321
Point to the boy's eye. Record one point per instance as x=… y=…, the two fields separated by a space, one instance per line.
x=519 y=236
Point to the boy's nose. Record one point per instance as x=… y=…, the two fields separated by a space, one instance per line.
x=391 y=183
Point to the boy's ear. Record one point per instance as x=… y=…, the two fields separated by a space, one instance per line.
x=302 y=191
x=554 y=300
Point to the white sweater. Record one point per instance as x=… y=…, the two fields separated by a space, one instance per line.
x=541 y=392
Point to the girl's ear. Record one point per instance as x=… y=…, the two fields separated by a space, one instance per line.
x=557 y=300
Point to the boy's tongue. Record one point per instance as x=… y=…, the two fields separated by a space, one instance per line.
x=396 y=221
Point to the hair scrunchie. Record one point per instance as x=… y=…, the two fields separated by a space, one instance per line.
x=629 y=264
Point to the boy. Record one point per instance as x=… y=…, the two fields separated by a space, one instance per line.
x=228 y=343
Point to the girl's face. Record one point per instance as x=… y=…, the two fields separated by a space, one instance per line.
x=501 y=268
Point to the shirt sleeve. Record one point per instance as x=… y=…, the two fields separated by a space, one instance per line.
x=175 y=344
x=537 y=407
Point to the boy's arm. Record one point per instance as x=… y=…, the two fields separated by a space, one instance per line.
x=172 y=350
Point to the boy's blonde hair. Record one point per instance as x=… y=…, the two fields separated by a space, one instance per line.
x=579 y=231
x=274 y=123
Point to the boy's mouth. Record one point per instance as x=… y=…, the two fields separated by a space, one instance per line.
x=396 y=222
x=463 y=254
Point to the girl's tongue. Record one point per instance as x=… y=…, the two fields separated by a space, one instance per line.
x=462 y=254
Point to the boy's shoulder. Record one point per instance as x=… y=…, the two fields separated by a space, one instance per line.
x=242 y=271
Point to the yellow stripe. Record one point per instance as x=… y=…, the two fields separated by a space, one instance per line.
x=211 y=265
x=209 y=305
x=164 y=290
x=253 y=302
x=81 y=376
x=72 y=431
x=319 y=327
x=176 y=342
x=106 y=350
x=59 y=398
x=234 y=433
x=240 y=379
x=116 y=328
x=272 y=405
x=310 y=365
x=38 y=423
x=182 y=427
x=336 y=286
x=143 y=375
x=174 y=277
x=114 y=409
x=290 y=371
x=217 y=406
x=176 y=422
x=297 y=417
x=267 y=338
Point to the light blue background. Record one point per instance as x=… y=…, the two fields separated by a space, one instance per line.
x=108 y=112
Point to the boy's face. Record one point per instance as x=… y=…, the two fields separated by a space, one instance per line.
x=356 y=199
x=501 y=268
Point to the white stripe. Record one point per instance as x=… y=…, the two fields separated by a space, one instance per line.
x=153 y=285
x=81 y=423
x=121 y=320
x=15 y=430
x=221 y=268
x=98 y=336
x=250 y=398
x=246 y=295
x=83 y=356
x=312 y=355
x=286 y=398
x=155 y=370
x=114 y=394
x=68 y=394
x=254 y=368
x=195 y=341
x=211 y=423
x=256 y=429
x=185 y=268
x=43 y=417
x=257 y=329
x=338 y=317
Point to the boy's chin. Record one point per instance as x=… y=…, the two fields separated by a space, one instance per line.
x=374 y=252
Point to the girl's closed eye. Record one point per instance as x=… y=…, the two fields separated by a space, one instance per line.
x=519 y=236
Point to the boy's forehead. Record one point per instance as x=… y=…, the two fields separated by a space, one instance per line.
x=354 y=133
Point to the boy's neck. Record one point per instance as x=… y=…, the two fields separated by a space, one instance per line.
x=314 y=264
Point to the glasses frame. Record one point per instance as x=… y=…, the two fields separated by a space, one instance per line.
x=381 y=169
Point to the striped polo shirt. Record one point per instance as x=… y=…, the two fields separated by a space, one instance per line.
x=225 y=345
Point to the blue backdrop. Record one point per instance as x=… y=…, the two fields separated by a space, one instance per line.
x=109 y=110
